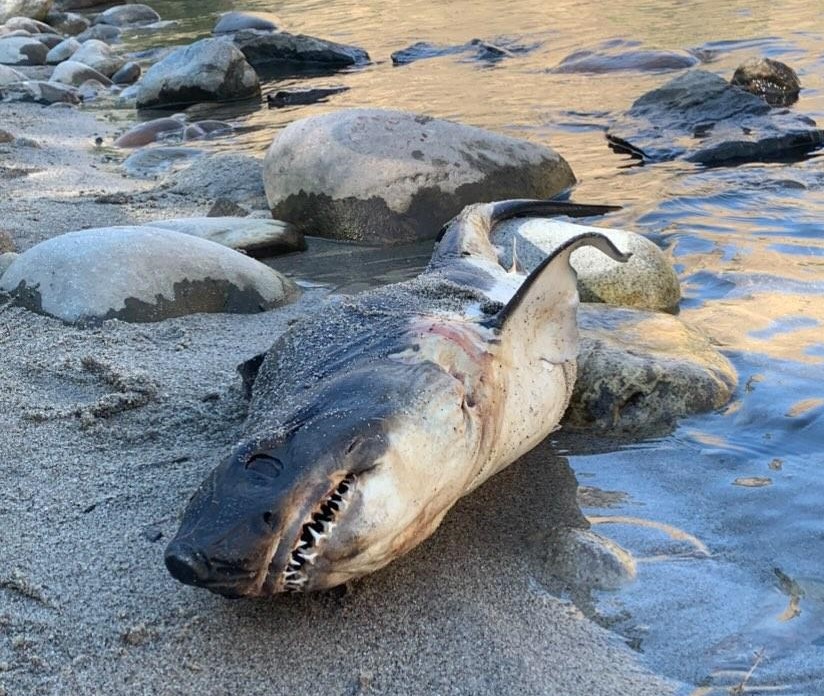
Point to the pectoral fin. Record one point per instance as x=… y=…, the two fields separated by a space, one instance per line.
x=542 y=315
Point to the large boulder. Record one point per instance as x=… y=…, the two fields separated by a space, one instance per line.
x=256 y=237
x=207 y=70
x=639 y=371
x=703 y=118
x=140 y=274
x=646 y=281
x=380 y=176
x=22 y=50
x=280 y=50
x=35 y=9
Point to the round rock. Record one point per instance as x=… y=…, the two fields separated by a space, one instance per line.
x=150 y=275
x=9 y=75
x=63 y=51
x=67 y=22
x=777 y=82
x=33 y=9
x=99 y=55
x=70 y=72
x=22 y=50
x=646 y=281
x=380 y=176
x=207 y=70
x=259 y=238
x=639 y=371
x=128 y=15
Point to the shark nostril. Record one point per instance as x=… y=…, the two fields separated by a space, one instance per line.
x=268 y=518
x=187 y=564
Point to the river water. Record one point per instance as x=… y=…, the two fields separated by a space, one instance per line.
x=731 y=592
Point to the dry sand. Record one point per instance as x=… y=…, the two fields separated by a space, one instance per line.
x=105 y=432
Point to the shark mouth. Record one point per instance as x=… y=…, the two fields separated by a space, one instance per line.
x=315 y=532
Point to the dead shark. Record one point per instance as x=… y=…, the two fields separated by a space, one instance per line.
x=369 y=419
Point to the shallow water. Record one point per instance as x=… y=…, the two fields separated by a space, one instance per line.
x=747 y=244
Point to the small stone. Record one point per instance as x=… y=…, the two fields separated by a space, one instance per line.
x=222 y=207
x=128 y=15
x=5 y=137
x=777 y=82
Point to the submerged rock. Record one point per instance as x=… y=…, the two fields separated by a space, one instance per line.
x=639 y=371
x=646 y=281
x=619 y=55
x=280 y=50
x=777 y=82
x=39 y=92
x=152 y=162
x=128 y=15
x=207 y=70
x=230 y=22
x=308 y=95
x=22 y=50
x=151 y=131
x=150 y=275
x=258 y=238
x=476 y=49
x=380 y=176
x=34 y=9
x=701 y=117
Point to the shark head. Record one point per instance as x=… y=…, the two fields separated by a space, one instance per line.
x=338 y=493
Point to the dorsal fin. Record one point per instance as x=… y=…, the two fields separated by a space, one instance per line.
x=544 y=307
x=468 y=234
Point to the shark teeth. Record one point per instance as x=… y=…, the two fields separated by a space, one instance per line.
x=314 y=533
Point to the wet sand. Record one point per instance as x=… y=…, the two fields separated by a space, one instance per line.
x=105 y=432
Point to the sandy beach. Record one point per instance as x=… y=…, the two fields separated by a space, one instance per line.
x=104 y=434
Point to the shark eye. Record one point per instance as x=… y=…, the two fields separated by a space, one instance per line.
x=264 y=465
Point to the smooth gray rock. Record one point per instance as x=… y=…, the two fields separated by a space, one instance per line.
x=9 y=75
x=646 y=281
x=100 y=56
x=63 y=51
x=140 y=274
x=48 y=40
x=639 y=371
x=152 y=131
x=32 y=26
x=771 y=79
x=70 y=72
x=258 y=238
x=128 y=74
x=6 y=259
x=232 y=176
x=484 y=52
x=619 y=56
x=22 y=50
x=390 y=177
x=702 y=118
x=67 y=22
x=207 y=70
x=100 y=32
x=274 y=50
x=39 y=92
x=128 y=15
x=237 y=21
x=35 y=9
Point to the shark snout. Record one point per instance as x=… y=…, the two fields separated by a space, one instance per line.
x=187 y=564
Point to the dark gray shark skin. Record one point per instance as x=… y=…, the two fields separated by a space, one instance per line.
x=370 y=418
